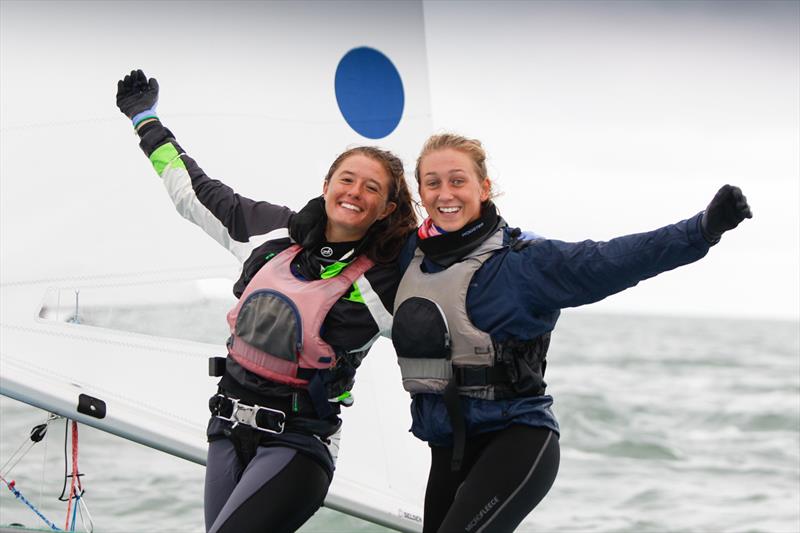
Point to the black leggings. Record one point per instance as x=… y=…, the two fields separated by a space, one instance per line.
x=277 y=491
x=505 y=474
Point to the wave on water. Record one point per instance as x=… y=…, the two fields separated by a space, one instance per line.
x=667 y=424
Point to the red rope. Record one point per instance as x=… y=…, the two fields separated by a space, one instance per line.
x=75 y=478
x=75 y=475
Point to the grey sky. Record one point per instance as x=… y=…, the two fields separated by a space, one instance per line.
x=600 y=118
x=606 y=118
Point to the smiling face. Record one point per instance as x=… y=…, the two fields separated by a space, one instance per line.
x=450 y=188
x=356 y=196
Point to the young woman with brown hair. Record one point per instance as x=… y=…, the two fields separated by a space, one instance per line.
x=310 y=306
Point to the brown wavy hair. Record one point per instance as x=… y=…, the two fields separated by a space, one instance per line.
x=386 y=237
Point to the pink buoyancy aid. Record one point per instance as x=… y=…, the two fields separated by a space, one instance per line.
x=275 y=326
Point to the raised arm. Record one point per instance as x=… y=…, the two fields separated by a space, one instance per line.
x=557 y=274
x=236 y=222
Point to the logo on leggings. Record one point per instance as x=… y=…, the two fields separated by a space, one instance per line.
x=483 y=512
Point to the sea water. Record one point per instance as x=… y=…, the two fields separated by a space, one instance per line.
x=667 y=424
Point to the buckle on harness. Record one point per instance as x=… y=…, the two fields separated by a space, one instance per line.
x=248 y=415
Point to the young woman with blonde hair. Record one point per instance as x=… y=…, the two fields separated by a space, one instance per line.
x=472 y=323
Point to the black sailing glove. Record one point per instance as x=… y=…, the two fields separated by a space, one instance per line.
x=307 y=226
x=137 y=96
x=726 y=210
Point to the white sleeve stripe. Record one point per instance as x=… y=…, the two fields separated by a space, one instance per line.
x=258 y=240
x=379 y=313
x=179 y=187
x=368 y=344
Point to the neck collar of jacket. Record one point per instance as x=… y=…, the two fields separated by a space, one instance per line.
x=307 y=228
x=320 y=258
x=449 y=248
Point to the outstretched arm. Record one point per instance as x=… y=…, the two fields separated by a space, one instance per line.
x=236 y=222
x=557 y=274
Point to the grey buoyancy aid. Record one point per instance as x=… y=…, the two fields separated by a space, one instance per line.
x=432 y=332
x=440 y=351
x=436 y=341
x=275 y=326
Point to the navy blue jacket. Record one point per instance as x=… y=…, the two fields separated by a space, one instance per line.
x=519 y=295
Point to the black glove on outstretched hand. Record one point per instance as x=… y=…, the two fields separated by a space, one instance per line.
x=307 y=226
x=726 y=210
x=137 y=96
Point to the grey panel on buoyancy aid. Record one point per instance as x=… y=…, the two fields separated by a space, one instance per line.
x=432 y=332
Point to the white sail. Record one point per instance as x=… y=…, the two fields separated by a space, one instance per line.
x=248 y=90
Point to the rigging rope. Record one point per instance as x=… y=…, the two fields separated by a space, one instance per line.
x=76 y=481
x=15 y=491
x=50 y=417
x=37 y=434
x=76 y=490
x=83 y=507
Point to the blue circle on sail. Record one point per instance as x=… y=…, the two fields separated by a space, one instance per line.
x=369 y=92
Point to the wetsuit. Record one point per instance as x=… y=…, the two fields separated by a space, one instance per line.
x=257 y=481
x=511 y=455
